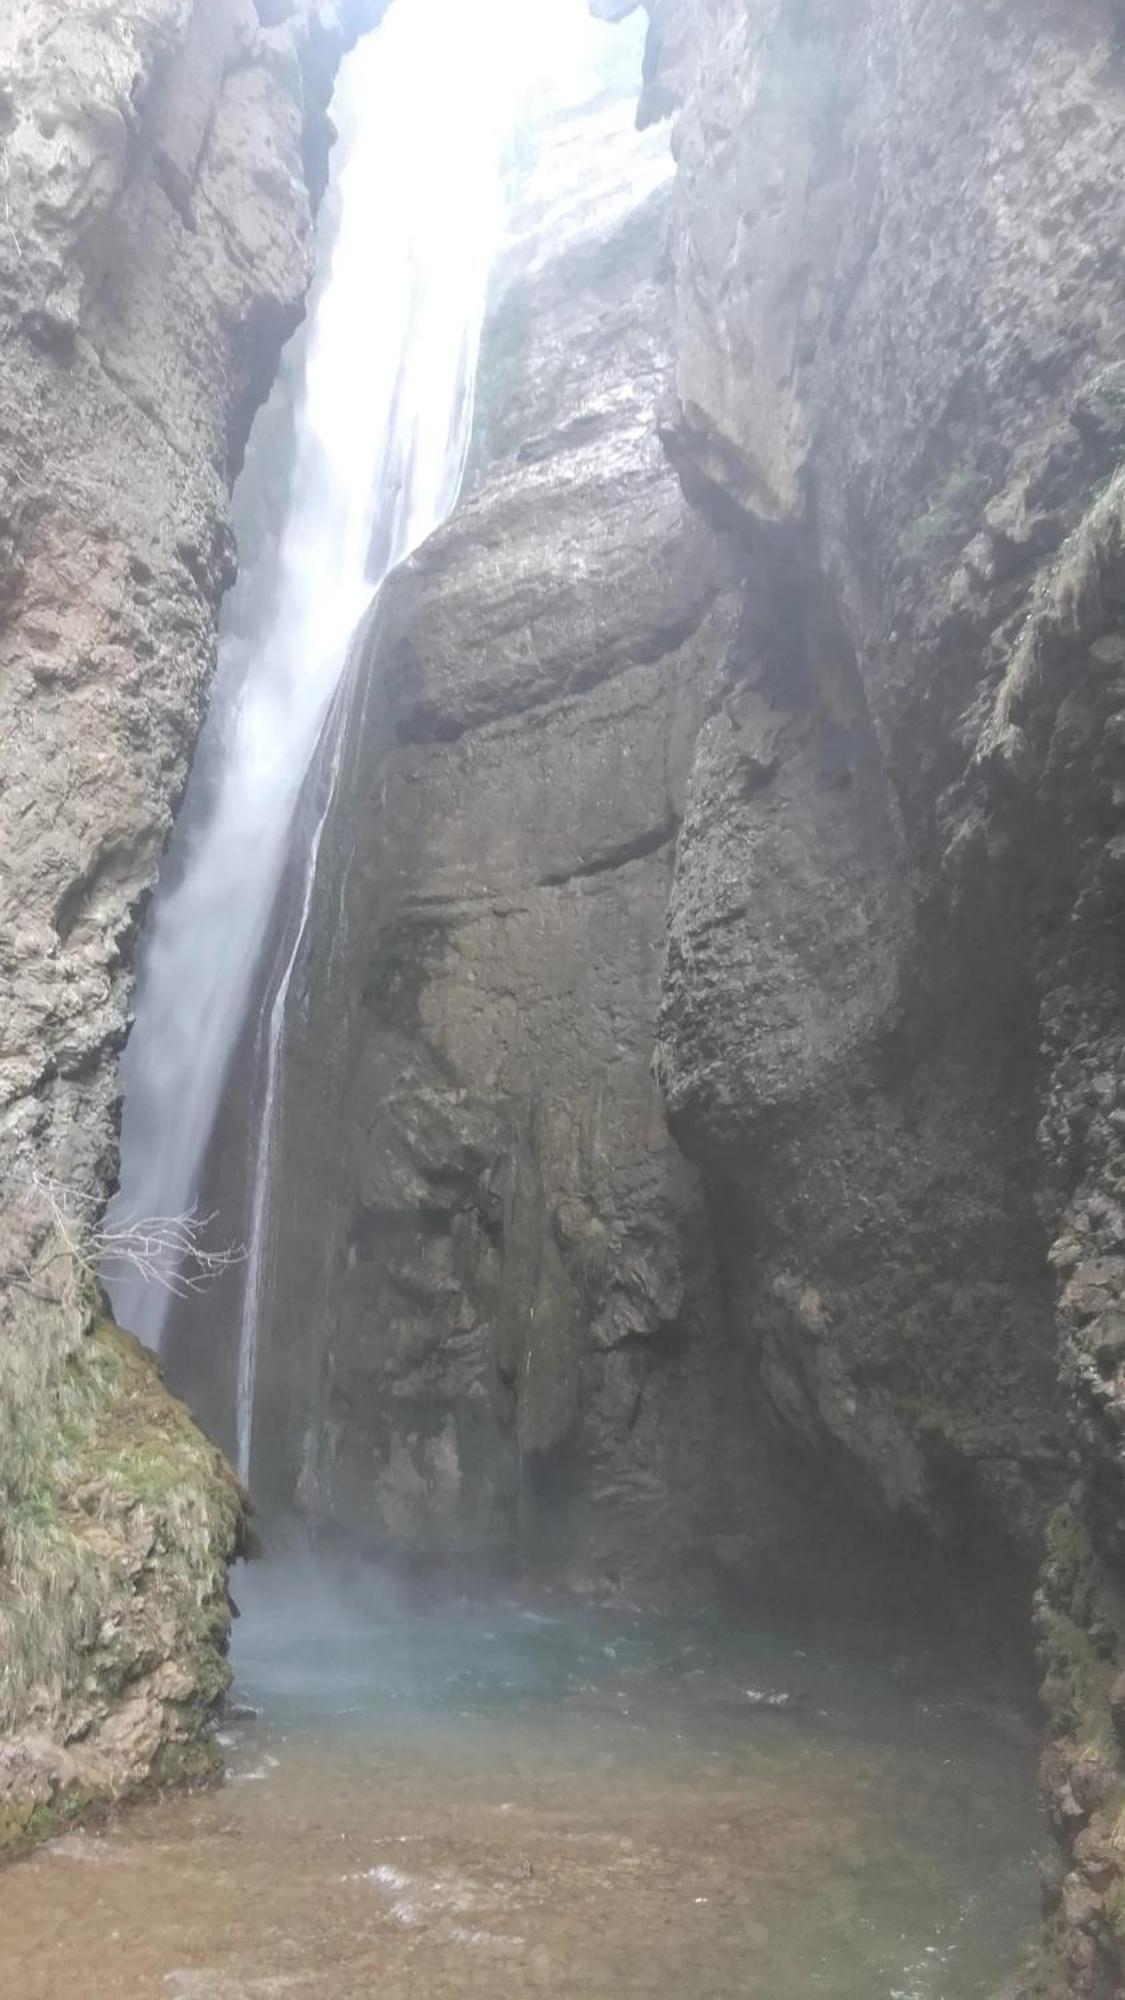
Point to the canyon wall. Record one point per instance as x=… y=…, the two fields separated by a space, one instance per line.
x=800 y=779
x=159 y=163
x=899 y=280
x=702 y=1117
x=667 y=756
x=495 y=1331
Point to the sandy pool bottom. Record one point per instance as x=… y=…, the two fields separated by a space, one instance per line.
x=440 y=1799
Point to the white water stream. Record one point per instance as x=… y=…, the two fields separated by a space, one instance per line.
x=426 y=108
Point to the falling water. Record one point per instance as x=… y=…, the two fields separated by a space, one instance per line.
x=424 y=108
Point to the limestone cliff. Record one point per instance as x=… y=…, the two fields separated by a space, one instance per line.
x=702 y=1116
x=495 y=1330
x=618 y=714
x=158 y=164
x=804 y=780
x=892 y=1014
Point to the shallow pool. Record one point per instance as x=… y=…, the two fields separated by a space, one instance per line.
x=443 y=1798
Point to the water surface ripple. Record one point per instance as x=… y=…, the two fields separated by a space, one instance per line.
x=438 y=1798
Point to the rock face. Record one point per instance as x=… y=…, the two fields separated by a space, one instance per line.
x=158 y=162
x=892 y=1013
x=496 y=1328
x=843 y=727
x=703 y=1110
x=617 y=794
x=118 y=1527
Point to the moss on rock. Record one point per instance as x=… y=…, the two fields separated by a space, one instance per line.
x=1079 y=1621
x=117 y=1523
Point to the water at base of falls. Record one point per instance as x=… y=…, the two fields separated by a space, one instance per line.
x=441 y=1798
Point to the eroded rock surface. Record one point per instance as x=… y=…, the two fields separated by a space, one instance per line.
x=871 y=778
x=496 y=1331
x=703 y=1099
x=158 y=163
x=621 y=712
x=898 y=273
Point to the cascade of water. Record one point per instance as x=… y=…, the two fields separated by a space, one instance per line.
x=381 y=429
x=425 y=108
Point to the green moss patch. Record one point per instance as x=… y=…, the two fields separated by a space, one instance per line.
x=1078 y=1668
x=117 y=1523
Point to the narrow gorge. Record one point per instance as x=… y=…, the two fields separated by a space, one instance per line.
x=562 y=868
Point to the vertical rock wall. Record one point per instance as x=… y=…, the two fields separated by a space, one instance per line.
x=158 y=165
x=626 y=788
x=865 y=779
x=703 y=1107
x=900 y=285
x=496 y=1329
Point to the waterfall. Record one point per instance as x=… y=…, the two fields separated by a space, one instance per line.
x=426 y=108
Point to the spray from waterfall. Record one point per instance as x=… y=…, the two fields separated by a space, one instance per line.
x=426 y=108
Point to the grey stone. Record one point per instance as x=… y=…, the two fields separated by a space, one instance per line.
x=155 y=228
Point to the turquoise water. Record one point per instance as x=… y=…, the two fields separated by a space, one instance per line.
x=438 y=1798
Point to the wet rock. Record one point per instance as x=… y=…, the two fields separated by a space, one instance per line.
x=1093 y=1780
x=760 y=712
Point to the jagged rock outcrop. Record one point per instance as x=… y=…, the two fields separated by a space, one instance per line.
x=158 y=164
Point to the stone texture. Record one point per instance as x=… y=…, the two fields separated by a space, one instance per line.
x=156 y=161
x=157 y=221
x=495 y=1330
x=899 y=274
x=761 y=711
x=119 y=1521
x=497 y=1334
x=611 y=715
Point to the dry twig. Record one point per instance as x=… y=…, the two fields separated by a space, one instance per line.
x=166 y=1250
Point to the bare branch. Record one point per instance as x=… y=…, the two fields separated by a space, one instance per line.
x=166 y=1250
